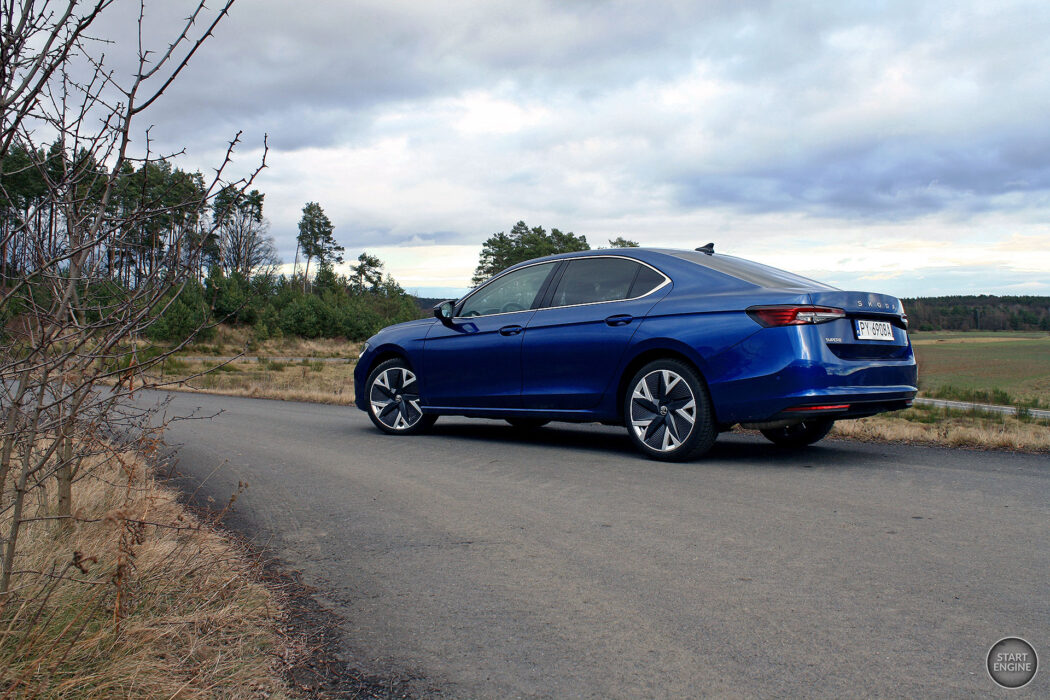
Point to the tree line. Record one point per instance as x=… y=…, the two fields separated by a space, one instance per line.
x=353 y=306
x=979 y=313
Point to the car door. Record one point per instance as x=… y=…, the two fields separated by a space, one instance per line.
x=573 y=345
x=475 y=361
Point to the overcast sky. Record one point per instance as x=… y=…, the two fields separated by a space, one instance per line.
x=901 y=147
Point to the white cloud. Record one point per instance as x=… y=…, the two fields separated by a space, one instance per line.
x=896 y=137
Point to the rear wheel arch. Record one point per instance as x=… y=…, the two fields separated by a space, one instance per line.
x=651 y=355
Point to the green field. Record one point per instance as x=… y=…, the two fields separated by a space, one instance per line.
x=958 y=364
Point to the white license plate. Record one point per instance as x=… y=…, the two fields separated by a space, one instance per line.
x=873 y=330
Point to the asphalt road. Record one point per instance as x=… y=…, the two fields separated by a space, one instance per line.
x=493 y=563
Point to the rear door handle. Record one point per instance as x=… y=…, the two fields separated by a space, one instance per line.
x=619 y=320
x=510 y=330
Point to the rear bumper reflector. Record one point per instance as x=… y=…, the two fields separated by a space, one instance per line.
x=806 y=409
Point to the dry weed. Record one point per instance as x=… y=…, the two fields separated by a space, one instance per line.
x=1006 y=433
x=313 y=381
x=133 y=597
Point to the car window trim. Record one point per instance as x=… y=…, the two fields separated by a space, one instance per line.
x=557 y=265
x=549 y=286
x=550 y=293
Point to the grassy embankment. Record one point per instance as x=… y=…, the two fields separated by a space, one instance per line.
x=135 y=599
x=1011 y=368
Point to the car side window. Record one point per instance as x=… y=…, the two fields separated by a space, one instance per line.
x=515 y=291
x=591 y=280
x=647 y=280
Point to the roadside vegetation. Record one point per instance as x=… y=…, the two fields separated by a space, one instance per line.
x=133 y=596
x=301 y=379
x=934 y=425
x=108 y=587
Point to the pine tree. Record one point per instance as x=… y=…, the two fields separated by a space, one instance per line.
x=316 y=238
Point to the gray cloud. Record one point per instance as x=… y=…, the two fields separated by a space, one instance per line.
x=940 y=281
x=863 y=113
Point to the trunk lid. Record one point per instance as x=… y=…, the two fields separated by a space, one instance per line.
x=875 y=326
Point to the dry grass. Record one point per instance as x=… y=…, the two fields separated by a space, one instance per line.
x=315 y=381
x=936 y=426
x=234 y=340
x=186 y=621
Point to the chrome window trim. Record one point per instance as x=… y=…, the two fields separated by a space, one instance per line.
x=667 y=281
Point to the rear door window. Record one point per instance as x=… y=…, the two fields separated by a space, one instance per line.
x=592 y=280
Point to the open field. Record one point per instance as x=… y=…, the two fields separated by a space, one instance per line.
x=974 y=366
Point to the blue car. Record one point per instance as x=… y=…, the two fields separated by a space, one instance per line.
x=675 y=345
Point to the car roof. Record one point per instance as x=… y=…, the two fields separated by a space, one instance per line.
x=672 y=260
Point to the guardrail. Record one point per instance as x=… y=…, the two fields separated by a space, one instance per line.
x=990 y=408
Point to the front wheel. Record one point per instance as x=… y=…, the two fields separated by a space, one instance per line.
x=668 y=412
x=393 y=400
x=801 y=434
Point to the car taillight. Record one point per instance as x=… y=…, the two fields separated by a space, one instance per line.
x=904 y=317
x=770 y=316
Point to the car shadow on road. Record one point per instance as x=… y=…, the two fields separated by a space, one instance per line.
x=730 y=448
x=591 y=437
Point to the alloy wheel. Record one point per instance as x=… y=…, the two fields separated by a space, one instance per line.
x=663 y=410
x=395 y=399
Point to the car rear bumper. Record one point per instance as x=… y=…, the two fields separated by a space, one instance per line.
x=782 y=373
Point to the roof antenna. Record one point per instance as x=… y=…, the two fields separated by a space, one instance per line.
x=708 y=249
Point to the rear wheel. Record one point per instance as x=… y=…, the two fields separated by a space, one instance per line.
x=668 y=412
x=527 y=423
x=393 y=400
x=800 y=435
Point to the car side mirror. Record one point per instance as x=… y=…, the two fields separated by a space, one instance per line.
x=443 y=312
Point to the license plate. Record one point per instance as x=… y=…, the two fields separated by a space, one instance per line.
x=873 y=330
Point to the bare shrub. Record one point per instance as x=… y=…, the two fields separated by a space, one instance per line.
x=134 y=597
x=98 y=251
x=99 y=242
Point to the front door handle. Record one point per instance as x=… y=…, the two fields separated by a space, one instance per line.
x=510 y=330
x=619 y=320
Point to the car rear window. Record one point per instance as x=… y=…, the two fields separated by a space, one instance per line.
x=755 y=273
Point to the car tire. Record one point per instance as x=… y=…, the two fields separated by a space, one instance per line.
x=800 y=435
x=393 y=400
x=668 y=413
x=527 y=423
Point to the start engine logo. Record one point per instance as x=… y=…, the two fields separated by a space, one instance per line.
x=1012 y=662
